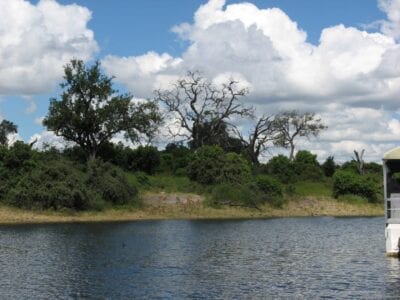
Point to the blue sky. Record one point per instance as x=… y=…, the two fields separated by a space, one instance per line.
x=131 y=29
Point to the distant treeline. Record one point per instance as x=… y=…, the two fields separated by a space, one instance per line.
x=53 y=179
x=213 y=153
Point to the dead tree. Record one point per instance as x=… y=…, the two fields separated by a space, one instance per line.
x=260 y=138
x=196 y=103
x=360 y=161
x=293 y=124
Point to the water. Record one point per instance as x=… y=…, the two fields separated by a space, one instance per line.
x=294 y=258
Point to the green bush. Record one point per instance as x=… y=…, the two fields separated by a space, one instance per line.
x=329 y=166
x=308 y=172
x=143 y=159
x=347 y=182
x=235 y=169
x=111 y=183
x=210 y=165
x=236 y=195
x=281 y=168
x=54 y=185
x=269 y=185
x=59 y=184
x=306 y=157
x=206 y=165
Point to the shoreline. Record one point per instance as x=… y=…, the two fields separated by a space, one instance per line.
x=300 y=207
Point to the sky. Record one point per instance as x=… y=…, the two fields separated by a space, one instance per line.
x=339 y=59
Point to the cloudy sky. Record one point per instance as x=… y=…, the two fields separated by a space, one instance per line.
x=338 y=58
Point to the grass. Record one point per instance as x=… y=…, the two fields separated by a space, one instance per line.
x=308 y=199
x=302 y=207
x=317 y=189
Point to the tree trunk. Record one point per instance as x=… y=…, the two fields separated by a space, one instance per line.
x=291 y=157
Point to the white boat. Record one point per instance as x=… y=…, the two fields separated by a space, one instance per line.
x=391 y=183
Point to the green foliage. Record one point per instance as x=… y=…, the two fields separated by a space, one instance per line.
x=269 y=186
x=18 y=156
x=306 y=157
x=175 y=159
x=306 y=167
x=396 y=177
x=350 y=166
x=6 y=128
x=347 y=182
x=90 y=112
x=143 y=159
x=310 y=188
x=235 y=169
x=111 y=183
x=329 y=166
x=56 y=185
x=210 y=165
x=281 y=168
x=235 y=195
x=373 y=167
x=308 y=172
x=46 y=180
x=206 y=165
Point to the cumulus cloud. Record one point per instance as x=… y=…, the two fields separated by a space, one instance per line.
x=351 y=77
x=391 y=26
x=37 y=40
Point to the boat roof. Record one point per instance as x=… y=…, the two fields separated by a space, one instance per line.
x=392 y=154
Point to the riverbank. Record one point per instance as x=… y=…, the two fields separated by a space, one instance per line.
x=188 y=206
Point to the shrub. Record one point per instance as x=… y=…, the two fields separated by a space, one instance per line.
x=110 y=182
x=55 y=185
x=235 y=195
x=174 y=159
x=210 y=165
x=206 y=164
x=269 y=186
x=347 y=182
x=281 y=168
x=306 y=157
x=329 y=166
x=235 y=169
x=144 y=159
x=308 y=172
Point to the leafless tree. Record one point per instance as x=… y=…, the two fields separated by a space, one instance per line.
x=360 y=161
x=260 y=137
x=293 y=124
x=201 y=107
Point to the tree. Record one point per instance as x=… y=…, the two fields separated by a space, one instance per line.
x=263 y=132
x=201 y=108
x=329 y=166
x=6 y=128
x=293 y=124
x=360 y=161
x=90 y=112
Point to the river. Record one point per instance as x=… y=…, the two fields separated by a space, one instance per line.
x=272 y=258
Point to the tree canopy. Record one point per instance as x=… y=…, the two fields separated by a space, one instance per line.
x=6 y=128
x=293 y=124
x=203 y=109
x=90 y=112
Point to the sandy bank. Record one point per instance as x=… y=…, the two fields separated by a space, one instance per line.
x=164 y=206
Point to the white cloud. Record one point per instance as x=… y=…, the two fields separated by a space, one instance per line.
x=48 y=139
x=351 y=77
x=37 y=40
x=391 y=26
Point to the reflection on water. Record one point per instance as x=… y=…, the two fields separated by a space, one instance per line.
x=297 y=257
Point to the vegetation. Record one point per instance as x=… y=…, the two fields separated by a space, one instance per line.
x=216 y=160
x=90 y=112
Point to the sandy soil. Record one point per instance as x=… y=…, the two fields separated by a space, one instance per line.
x=162 y=206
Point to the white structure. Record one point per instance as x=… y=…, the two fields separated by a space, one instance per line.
x=391 y=183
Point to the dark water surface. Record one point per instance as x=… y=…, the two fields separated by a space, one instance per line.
x=294 y=258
